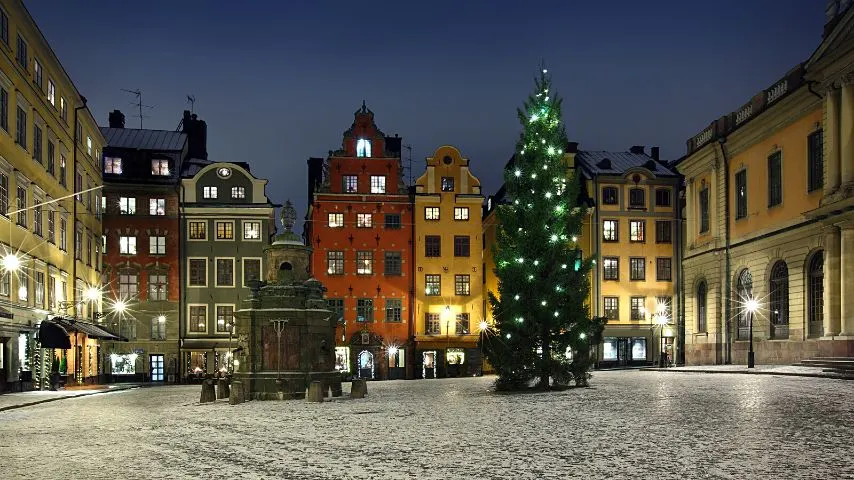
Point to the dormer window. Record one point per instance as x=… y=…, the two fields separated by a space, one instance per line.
x=113 y=165
x=363 y=147
x=637 y=198
x=160 y=167
x=209 y=192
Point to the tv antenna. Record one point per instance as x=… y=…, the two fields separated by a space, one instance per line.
x=409 y=150
x=191 y=99
x=138 y=104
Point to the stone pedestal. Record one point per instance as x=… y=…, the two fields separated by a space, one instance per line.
x=359 y=388
x=208 y=391
x=237 y=394
x=335 y=388
x=222 y=388
x=315 y=392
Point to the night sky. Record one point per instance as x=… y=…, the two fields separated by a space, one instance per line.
x=279 y=81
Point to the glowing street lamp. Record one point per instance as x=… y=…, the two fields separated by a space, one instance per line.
x=752 y=305
x=120 y=306
x=10 y=263
x=93 y=294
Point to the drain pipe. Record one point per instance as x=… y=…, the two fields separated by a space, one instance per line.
x=727 y=257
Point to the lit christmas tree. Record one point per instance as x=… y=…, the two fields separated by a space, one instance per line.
x=543 y=328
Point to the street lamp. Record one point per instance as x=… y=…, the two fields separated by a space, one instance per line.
x=10 y=263
x=751 y=306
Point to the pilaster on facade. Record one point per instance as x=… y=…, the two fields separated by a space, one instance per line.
x=846 y=283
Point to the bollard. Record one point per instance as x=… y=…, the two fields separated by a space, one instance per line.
x=237 y=394
x=208 y=391
x=315 y=392
x=336 y=388
x=359 y=388
x=222 y=388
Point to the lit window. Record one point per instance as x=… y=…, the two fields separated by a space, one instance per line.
x=127 y=245
x=51 y=92
x=238 y=192
x=637 y=231
x=335 y=262
x=37 y=73
x=462 y=285
x=225 y=230
x=377 y=183
x=336 y=220
x=127 y=206
x=209 y=192
x=363 y=220
x=63 y=109
x=157 y=245
x=432 y=285
x=160 y=167
x=351 y=184
x=611 y=268
x=609 y=230
x=89 y=145
x=447 y=184
x=364 y=262
x=251 y=230
x=113 y=165
x=431 y=213
x=461 y=213
x=157 y=206
x=363 y=148
x=199 y=230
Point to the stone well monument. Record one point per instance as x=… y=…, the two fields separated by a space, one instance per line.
x=286 y=335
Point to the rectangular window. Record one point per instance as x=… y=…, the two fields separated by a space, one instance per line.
x=224 y=318
x=63 y=234
x=51 y=226
x=461 y=246
x=432 y=324
x=37 y=219
x=351 y=184
x=225 y=230
x=251 y=270
x=637 y=198
x=21 y=127
x=663 y=231
x=78 y=185
x=363 y=148
x=704 y=210
x=22 y=205
x=23 y=285
x=113 y=165
x=157 y=290
x=741 y=194
x=63 y=171
x=4 y=194
x=662 y=197
x=37 y=143
x=393 y=263
x=198 y=276
x=209 y=192
x=198 y=318
x=127 y=206
x=815 y=161
x=612 y=308
x=392 y=221
x=447 y=184
x=38 y=74
x=775 y=179
x=4 y=109
x=128 y=285
x=463 y=324
x=637 y=231
x=51 y=92
x=431 y=213
x=393 y=310
x=336 y=306
x=638 y=309
x=336 y=220
x=157 y=245
x=637 y=268
x=198 y=230
x=432 y=285
x=461 y=213
x=158 y=327
x=238 y=192
x=38 y=284
x=364 y=310
x=335 y=262
x=21 y=54
x=251 y=230
x=127 y=245
x=160 y=168
x=51 y=158
x=364 y=262
x=611 y=268
x=157 y=206
x=610 y=230
x=5 y=283
x=462 y=285
x=377 y=183
x=63 y=109
x=663 y=269
x=4 y=27
x=364 y=220
x=432 y=245
x=224 y=272
x=89 y=146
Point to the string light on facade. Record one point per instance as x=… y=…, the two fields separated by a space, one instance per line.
x=516 y=297
x=518 y=172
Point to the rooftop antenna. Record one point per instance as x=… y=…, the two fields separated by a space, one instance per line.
x=138 y=104
x=409 y=150
x=191 y=99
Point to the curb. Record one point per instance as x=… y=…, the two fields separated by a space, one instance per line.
x=785 y=374
x=47 y=400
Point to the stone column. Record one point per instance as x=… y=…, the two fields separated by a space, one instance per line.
x=831 y=141
x=846 y=135
x=847 y=283
x=691 y=213
x=832 y=274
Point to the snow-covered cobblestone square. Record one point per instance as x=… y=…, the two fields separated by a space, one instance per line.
x=629 y=424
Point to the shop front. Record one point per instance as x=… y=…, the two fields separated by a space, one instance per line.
x=69 y=352
x=627 y=346
x=447 y=360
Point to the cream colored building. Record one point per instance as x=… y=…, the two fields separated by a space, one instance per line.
x=449 y=301
x=770 y=217
x=44 y=159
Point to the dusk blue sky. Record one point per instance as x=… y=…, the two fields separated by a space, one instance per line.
x=279 y=81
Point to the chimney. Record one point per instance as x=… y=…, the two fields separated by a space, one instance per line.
x=637 y=149
x=197 y=136
x=571 y=147
x=117 y=119
x=654 y=153
x=393 y=145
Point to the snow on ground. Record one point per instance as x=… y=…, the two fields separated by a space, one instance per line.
x=629 y=424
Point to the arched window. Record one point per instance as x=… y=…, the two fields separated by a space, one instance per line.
x=779 y=300
x=366 y=364
x=701 y=307
x=743 y=291
x=815 y=294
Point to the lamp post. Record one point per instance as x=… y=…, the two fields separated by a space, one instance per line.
x=484 y=328
x=751 y=306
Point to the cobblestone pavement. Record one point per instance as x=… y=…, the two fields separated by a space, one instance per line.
x=629 y=424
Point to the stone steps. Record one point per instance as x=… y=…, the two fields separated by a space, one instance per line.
x=838 y=365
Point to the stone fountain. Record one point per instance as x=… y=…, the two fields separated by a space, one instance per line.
x=286 y=334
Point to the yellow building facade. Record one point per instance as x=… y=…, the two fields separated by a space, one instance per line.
x=631 y=231
x=770 y=218
x=50 y=242
x=449 y=301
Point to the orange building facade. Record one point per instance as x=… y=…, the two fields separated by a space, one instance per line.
x=359 y=225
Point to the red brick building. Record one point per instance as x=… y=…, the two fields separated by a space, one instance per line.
x=359 y=223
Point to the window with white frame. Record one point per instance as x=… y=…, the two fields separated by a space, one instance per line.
x=127 y=245
x=158 y=327
x=224 y=272
x=363 y=147
x=198 y=318
x=431 y=213
x=157 y=206
x=252 y=230
x=377 y=183
x=364 y=262
x=461 y=213
x=238 y=192
x=225 y=230
x=127 y=205
x=157 y=286
x=157 y=245
x=209 y=192
x=51 y=92
x=198 y=230
x=224 y=318
x=335 y=262
x=198 y=272
x=128 y=284
x=113 y=165
x=364 y=220
x=251 y=270
x=351 y=183
x=336 y=220
x=160 y=167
